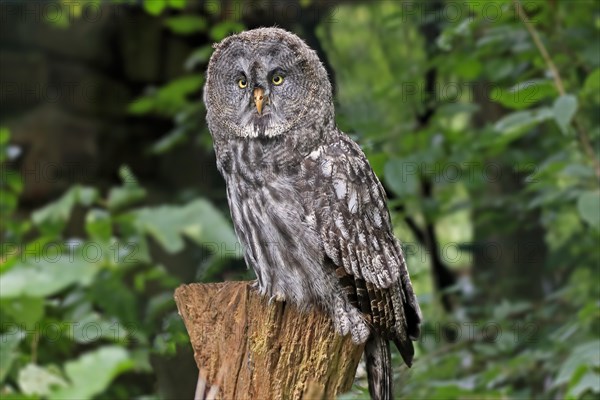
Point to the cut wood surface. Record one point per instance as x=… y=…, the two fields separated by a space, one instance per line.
x=255 y=350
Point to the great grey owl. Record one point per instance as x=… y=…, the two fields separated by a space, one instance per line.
x=305 y=203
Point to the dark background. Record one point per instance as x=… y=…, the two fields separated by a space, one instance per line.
x=480 y=118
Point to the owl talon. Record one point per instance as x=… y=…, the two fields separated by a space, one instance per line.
x=276 y=297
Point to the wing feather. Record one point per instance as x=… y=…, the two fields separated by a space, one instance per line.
x=356 y=231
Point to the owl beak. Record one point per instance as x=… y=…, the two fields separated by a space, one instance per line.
x=259 y=98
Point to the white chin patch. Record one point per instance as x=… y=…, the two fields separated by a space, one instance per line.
x=253 y=131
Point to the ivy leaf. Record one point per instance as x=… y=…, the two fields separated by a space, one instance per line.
x=91 y=373
x=564 y=109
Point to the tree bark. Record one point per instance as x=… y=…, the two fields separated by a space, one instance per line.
x=255 y=350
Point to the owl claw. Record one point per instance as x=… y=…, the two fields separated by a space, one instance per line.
x=277 y=297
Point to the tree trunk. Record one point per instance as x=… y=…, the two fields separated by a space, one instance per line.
x=255 y=350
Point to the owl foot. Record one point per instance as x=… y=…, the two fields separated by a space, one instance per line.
x=277 y=297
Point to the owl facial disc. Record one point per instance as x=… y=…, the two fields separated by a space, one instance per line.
x=265 y=83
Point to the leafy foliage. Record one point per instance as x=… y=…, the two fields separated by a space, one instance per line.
x=62 y=295
x=494 y=103
x=445 y=108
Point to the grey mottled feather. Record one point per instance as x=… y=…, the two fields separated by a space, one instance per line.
x=305 y=203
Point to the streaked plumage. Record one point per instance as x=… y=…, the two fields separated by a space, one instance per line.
x=305 y=203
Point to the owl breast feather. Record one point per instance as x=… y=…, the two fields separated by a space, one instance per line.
x=266 y=195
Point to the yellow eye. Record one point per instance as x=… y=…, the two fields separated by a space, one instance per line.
x=277 y=80
x=242 y=83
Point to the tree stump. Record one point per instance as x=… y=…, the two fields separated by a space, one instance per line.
x=255 y=350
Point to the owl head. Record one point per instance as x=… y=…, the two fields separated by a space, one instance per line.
x=264 y=83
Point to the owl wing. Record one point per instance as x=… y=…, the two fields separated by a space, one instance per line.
x=354 y=224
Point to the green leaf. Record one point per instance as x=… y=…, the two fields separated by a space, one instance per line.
x=468 y=68
x=48 y=275
x=402 y=176
x=122 y=197
x=198 y=220
x=93 y=328
x=198 y=57
x=170 y=140
x=14 y=181
x=52 y=218
x=587 y=354
x=4 y=135
x=186 y=24
x=578 y=171
x=590 y=381
x=592 y=82
x=452 y=109
x=498 y=69
x=177 y=4
x=140 y=106
x=154 y=7
x=93 y=372
x=590 y=94
x=36 y=380
x=564 y=109
x=225 y=28
x=127 y=176
x=9 y=342
x=519 y=122
x=98 y=225
x=524 y=94
x=86 y=196
x=25 y=311
x=169 y=99
x=116 y=298
x=588 y=206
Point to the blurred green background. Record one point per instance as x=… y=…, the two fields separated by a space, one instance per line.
x=480 y=118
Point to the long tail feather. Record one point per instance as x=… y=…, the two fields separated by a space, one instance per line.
x=379 y=368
